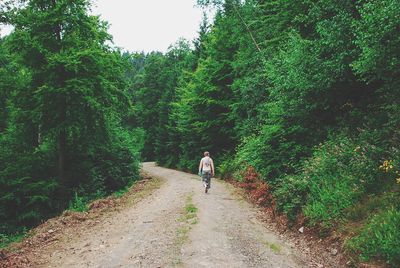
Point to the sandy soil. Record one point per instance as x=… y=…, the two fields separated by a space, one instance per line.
x=225 y=233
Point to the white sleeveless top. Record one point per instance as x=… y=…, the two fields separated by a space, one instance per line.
x=206 y=163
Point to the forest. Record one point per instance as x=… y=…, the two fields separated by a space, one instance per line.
x=65 y=118
x=299 y=101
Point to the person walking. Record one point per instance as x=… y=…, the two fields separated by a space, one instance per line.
x=206 y=170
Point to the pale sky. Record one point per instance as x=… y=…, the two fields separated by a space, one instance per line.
x=147 y=25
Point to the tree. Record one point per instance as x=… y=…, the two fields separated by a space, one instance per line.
x=66 y=126
x=178 y=60
x=147 y=90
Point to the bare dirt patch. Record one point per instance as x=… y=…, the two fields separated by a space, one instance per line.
x=33 y=250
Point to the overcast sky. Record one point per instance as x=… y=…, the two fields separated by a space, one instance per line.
x=147 y=25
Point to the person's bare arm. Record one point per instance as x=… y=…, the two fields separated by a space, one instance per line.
x=200 y=165
x=212 y=167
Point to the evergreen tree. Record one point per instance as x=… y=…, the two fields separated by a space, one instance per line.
x=147 y=90
x=65 y=127
x=178 y=59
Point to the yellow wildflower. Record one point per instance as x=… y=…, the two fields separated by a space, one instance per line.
x=386 y=166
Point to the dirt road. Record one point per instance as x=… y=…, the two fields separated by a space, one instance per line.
x=222 y=231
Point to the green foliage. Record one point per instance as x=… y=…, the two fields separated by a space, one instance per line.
x=371 y=204
x=121 y=192
x=65 y=110
x=331 y=199
x=147 y=89
x=291 y=195
x=28 y=185
x=379 y=238
x=78 y=203
x=378 y=40
x=226 y=167
x=7 y=239
x=338 y=174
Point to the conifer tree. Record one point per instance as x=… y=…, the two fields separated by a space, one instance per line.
x=66 y=126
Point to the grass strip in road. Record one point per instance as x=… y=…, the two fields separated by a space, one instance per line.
x=274 y=247
x=190 y=213
x=187 y=219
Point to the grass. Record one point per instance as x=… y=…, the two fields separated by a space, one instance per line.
x=120 y=193
x=187 y=219
x=274 y=247
x=6 y=240
x=190 y=212
x=378 y=239
x=78 y=204
x=370 y=205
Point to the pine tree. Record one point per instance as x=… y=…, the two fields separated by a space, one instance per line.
x=66 y=126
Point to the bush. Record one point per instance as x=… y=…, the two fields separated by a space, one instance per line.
x=28 y=187
x=258 y=190
x=291 y=195
x=339 y=173
x=6 y=239
x=226 y=168
x=379 y=238
x=78 y=203
x=328 y=200
x=100 y=170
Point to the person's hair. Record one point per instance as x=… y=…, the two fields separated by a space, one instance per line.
x=206 y=153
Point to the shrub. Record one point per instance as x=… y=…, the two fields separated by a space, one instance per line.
x=226 y=168
x=6 y=239
x=339 y=173
x=28 y=187
x=379 y=238
x=258 y=190
x=291 y=195
x=273 y=153
x=328 y=200
x=78 y=203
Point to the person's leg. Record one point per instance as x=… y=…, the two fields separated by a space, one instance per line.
x=208 y=180
x=204 y=178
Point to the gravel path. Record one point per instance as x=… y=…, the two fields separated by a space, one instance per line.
x=151 y=233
